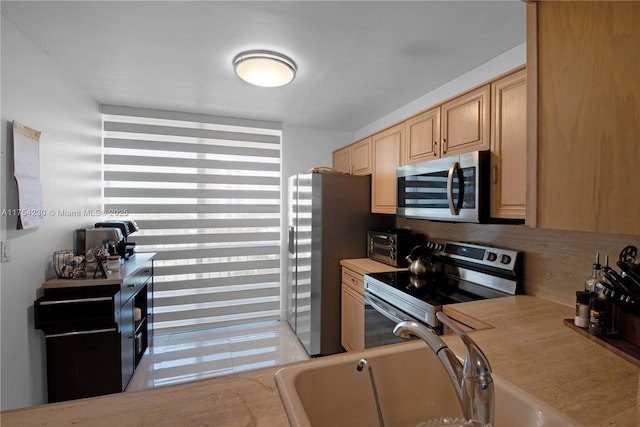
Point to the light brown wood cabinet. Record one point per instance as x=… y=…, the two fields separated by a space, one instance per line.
x=508 y=146
x=388 y=148
x=465 y=122
x=361 y=157
x=352 y=325
x=460 y=125
x=355 y=158
x=583 y=68
x=423 y=136
x=342 y=159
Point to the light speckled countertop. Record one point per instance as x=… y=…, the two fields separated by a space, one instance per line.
x=527 y=344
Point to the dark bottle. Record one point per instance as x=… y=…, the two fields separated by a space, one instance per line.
x=598 y=316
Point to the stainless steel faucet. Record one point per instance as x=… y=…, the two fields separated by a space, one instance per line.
x=472 y=380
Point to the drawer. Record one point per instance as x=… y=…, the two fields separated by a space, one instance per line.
x=134 y=283
x=354 y=280
x=64 y=312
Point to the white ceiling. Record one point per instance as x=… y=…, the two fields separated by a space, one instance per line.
x=357 y=60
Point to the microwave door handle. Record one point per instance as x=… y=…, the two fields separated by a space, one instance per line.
x=453 y=206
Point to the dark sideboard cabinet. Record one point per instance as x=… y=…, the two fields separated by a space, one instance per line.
x=96 y=330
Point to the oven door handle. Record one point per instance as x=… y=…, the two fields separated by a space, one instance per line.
x=384 y=308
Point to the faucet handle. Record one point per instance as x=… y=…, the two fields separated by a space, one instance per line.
x=475 y=362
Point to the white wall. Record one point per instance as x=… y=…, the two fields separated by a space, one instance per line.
x=507 y=61
x=38 y=93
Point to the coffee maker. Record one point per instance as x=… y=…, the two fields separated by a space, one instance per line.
x=123 y=247
x=112 y=233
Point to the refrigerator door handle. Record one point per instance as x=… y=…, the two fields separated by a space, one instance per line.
x=292 y=243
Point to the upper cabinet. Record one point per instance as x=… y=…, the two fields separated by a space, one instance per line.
x=465 y=122
x=361 y=157
x=423 y=136
x=354 y=158
x=388 y=153
x=489 y=117
x=508 y=146
x=583 y=71
x=459 y=126
x=342 y=160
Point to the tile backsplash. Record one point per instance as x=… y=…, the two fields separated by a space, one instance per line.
x=556 y=263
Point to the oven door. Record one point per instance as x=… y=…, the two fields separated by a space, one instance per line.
x=380 y=318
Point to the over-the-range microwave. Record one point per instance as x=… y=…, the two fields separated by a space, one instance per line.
x=454 y=188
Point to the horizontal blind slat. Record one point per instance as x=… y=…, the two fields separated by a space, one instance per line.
x=184 y=147
x=180 y=193
x=133 y=128
x=207 y=238
x=201 y=323
x=119 y=159
x=205 y=298
x=140 y=114
x=115 y=176
x=218 y=308
x=202 y=223
x=217 y=267
x=240 y=281
x=144 y=208
x=227 y=251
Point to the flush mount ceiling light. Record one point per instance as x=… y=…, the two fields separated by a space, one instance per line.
x=264 y=68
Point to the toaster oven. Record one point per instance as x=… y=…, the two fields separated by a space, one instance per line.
x=391 y=246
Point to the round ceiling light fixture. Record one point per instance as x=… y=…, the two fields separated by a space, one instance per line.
x=264 y=68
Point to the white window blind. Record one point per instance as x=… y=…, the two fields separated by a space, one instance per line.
x=205 y=192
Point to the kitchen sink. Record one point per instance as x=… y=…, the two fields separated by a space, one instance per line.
x=412 y=386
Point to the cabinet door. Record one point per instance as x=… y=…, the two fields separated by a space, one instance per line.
x=127 y=338
x=388 y=152
x=508 y=146
x=342 y=159
x=361 y=157
x=588 y=136
x=465 y=122
x=83 y=365
x=352 y=328
x=423 y=136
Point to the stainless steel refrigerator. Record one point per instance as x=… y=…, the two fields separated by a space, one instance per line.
x=329 y=216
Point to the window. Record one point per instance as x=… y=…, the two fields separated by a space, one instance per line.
x=205 y=192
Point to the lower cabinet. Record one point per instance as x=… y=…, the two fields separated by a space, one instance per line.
x=83 y=365
x=352 y=327
x=95 y=333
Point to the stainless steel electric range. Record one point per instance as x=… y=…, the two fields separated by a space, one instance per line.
x=458 y=272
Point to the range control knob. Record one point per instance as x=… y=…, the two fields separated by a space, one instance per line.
x=505 y=259
x=492 y=256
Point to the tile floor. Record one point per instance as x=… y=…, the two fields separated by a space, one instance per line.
x=187 y=356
